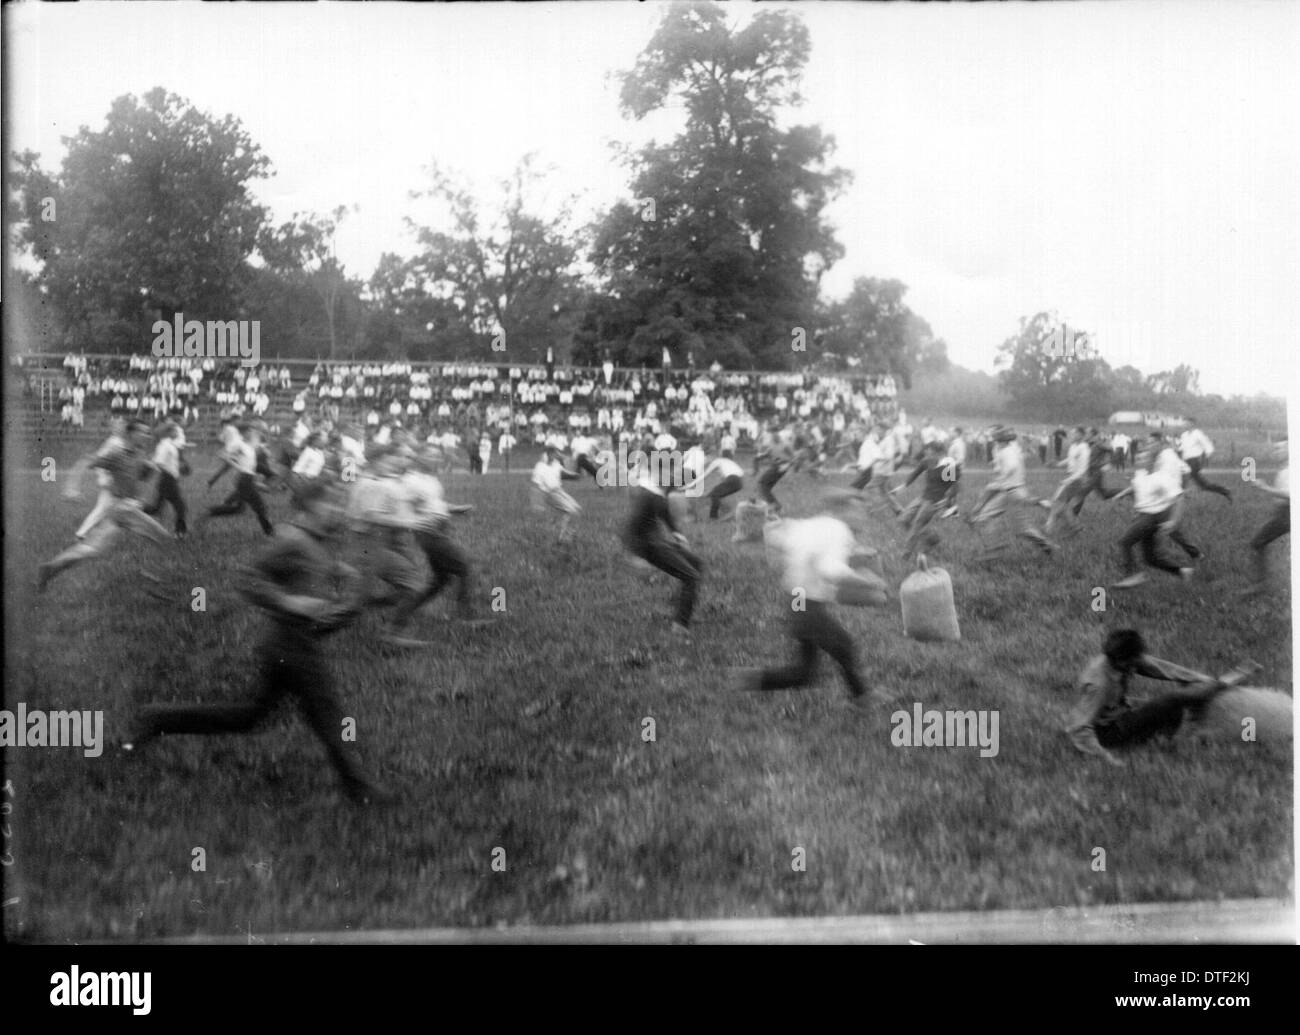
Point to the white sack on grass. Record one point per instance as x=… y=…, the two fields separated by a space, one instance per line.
x=1224 y=715
x=751 y=520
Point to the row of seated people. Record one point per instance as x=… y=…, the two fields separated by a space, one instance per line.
x=597 y=398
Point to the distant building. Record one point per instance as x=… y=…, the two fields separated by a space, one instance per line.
x=1158 y=421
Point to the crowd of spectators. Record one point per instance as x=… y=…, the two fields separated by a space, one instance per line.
x=523 y=403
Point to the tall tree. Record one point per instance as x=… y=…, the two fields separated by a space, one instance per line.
x=1044 y=382
x=720 y=252
x=511 y=271
x=301 y=251
x=148 y=216
x=874 y=331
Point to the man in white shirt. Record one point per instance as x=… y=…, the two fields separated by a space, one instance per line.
x=816 y=554
x=731 y=479
x=242 y=459
x=1196 y=449
x=431 y=521
x=956 y=453
x=548 y=490
x=583 y=448
x=1006 y=493
x=1154 y=493
x=307 y=467
x=167 y=459
x=1076 y=475
x=1119 y=443
x=1168 y=464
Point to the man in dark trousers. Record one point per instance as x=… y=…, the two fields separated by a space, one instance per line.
x=291 y=583
x=1195 y=447
x=816 y=554
x=431 y=519
x=167 y=459
x=651 y=533
x=1278 y=524
x=242 y=458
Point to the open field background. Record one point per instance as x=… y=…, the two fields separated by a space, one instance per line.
x=527 y=735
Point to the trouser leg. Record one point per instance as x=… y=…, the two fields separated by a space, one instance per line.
x=677 y=561
x=729 y=486
x=1276 y=527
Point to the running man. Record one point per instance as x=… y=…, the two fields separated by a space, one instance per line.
x=1195 y=447
x=651 y=533
x=1278 y=525
x=290 y=583
x=167 y=460
x=940 y=473
x=1074 y=483
x=732 y=481
x=1154 y=493
x=1175 y=471
x=549 y=475
x=431 y=515
x=241 y=457
x=816 y=552
x=1006 y=494
x=122 y=461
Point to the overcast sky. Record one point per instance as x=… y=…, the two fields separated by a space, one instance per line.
x=1133 y=166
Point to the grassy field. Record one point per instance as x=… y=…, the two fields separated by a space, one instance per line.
x=526 y=735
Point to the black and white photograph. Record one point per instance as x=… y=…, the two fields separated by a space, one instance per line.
x=650 y=474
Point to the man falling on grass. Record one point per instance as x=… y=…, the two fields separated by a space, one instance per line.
x=1103 y=719
x=292 y=581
